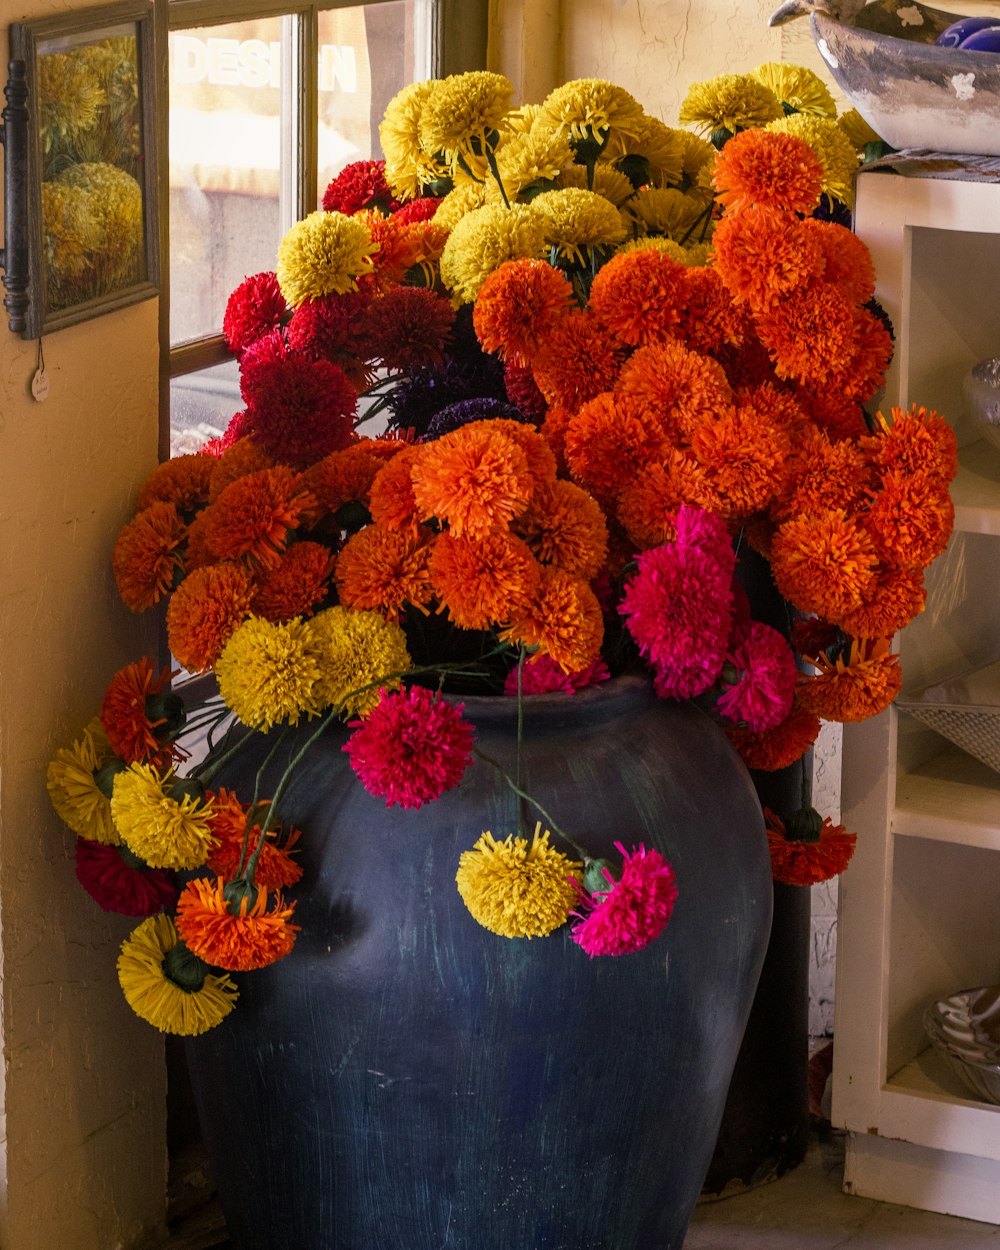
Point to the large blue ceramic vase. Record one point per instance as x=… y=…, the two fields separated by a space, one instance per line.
x=406 y=1080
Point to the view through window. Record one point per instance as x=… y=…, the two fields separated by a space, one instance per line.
x=258 y=127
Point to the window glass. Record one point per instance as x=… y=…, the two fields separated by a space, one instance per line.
x=225 y=157
x=201 y=404
x=234 y=92
x=366 y=54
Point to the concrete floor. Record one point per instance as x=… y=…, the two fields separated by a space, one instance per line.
x=807 y=1210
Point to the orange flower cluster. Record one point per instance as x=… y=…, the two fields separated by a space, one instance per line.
x=738 y=388
x=476 y=525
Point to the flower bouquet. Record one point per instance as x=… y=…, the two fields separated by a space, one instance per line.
x=602 y=358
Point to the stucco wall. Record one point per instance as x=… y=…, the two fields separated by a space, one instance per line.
x=653 y=48
x=82 y=1160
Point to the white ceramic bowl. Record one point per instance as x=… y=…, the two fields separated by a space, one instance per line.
x=965 y=1029
x=981 y=387
x=913 y=93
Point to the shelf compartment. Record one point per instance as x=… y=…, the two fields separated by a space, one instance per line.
x=951 y=797
x=975 y=491
x=943 y=936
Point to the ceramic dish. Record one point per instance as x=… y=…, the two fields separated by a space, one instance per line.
x=912 y=92
x=965 y=1029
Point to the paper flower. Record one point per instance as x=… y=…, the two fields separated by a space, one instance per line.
x=410 y=748
x=516 y=889
x=630 y=911
x=168 y=987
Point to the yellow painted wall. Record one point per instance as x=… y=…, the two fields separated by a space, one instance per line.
x=653 y=48
x=82 y=1157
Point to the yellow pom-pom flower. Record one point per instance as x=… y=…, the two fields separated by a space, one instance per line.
x=165 y=830
x=408 y=168
x=608 y=182
x=517 y=890
x=662 y=147
x=73 y=787
x=148 y=956
x=729 y=102
x=530 y=160
x=483 y=239
x=267 y=673
x=463 y=113
x=576 y=219
x=859 y=133
x=797 y=87
x=359 y=654
x=594 y=111
x=459 y=201
x=663 y=210
x=323 y=255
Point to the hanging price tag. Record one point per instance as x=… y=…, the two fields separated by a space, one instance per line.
x=40 y=379
x=40 y=385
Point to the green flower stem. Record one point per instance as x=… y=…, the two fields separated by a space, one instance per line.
x=378 y=407
x=199 y=721
x=491 y=160
x=247 y=873
x=247 y=870
x=205 y=772
x=701 y=220
x=523 y=794
x=252 y=810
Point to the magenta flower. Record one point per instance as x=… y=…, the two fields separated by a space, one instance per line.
x=708 y=533
x=678 y=608
x=328 y=328
x=632 y=911
x=420 y=209
x=761 y=690
x=542 y=675
x=119 y=882
x=411 y=748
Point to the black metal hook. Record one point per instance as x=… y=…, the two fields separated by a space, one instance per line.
x=14 y=254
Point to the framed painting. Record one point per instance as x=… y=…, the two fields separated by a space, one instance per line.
x=91 y=162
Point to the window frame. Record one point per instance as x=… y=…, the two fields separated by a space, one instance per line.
x=458 y=35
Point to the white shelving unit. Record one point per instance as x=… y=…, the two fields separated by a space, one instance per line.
x=920 y=905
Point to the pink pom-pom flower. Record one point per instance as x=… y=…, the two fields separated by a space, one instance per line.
x=411 y=748
x=633 y=910
x=760 y=687
x=542 y=675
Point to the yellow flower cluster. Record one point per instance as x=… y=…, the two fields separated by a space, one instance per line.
x=277 y=672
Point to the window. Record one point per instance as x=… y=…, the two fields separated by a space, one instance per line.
x=265 y=107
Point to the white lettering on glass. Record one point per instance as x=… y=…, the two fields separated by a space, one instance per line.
x=254 y=63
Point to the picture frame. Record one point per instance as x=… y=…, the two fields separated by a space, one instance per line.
x=92 y=220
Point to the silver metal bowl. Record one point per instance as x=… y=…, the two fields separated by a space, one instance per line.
x=913 y=93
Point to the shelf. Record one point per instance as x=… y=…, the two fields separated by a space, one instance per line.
x=925 y=1103
x=975 y=491
x=949 y=798
x=918 y=915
